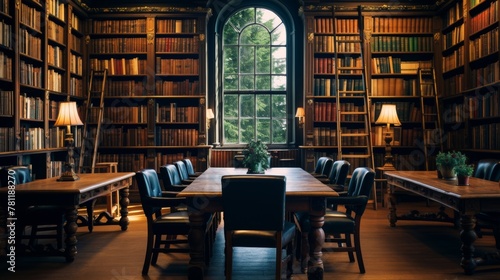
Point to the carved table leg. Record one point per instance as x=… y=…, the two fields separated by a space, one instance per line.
x=392 y=206
x=316 y=240
x=468 y=236
x=70 y=229
x=196 y=239
x=124 y=202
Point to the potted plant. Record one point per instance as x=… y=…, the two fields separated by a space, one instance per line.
x=256 y=157
x=446 y=162
x=464 y=171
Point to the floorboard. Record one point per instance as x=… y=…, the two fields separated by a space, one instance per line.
x=411 y=250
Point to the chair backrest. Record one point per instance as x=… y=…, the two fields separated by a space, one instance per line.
x=488 y=169
x=361 y=184
x=181 y=167
x=170 y=176
x=327 y=167
x=189 y=166
x=149 y=186
x=253 y=202
x=320 y=165
x=338 y=174
x=21 y=174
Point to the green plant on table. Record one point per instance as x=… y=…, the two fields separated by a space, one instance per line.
x=450 y=159
x=256 y=153
x=464 y=169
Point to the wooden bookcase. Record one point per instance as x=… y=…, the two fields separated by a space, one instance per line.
x=472 y=88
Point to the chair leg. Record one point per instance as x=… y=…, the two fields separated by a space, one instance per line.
x=279 y=259
x=149 y=251
x=348 y=243
x=290 y=254
x=228 y=271
x=157 y=244
x=359 y=256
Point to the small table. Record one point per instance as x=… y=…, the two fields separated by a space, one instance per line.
x=69 y=195
x=480 y=196
x=303 y=193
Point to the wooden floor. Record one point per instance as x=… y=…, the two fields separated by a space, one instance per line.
x=412 y=250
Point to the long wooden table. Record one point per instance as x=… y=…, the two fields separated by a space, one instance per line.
x=69 y=195
x=303 y=193
x=480 y=196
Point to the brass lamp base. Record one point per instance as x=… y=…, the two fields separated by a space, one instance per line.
x=68 y=176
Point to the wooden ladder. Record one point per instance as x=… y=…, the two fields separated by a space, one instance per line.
x=352 y=105
x=432 y=133
x=94 y=115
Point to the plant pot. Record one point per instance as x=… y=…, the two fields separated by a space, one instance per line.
x=448 y=173
x=256 y=169
x=440 y=176
x=462 y=180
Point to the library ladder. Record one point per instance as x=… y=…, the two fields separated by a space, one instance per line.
x=352 y=115
x=93 y=116
x=431 y=134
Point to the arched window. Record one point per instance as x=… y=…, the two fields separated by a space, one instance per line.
x=254 y=78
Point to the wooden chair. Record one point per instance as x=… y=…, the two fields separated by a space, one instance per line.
x=190 y=168
x=323 y=167
x=348 y=223
x=183 y=172
x=254 y=216
x=171 y=178
x=46 y=221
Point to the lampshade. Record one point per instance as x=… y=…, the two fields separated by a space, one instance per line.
x=210 y=114
x=388 y=115
x=68 y=115
x=300 y=112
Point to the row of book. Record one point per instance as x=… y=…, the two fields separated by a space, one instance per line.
x=7 y=142
x=342 y=25
x=122 y=88
x=132 y=114
x=176 y=137
x=453 y=37
x=30 y=74
x=5 y=37
x=5 y=6
x=54 y=80
x=402 y=24
x=119 y=26
x=485 y=136
x=126 y=162
x=453 y=14
x=120 y=66
x=485 y=18
x=327 y=112
x=118 y=45
x=328 y=65
x=75 y=87
x=55 y=32
x=483 y=106
x=56 y=8
x=452 y=85
x=485 y=44
x=326 y=44
x=326 y=136
x=390 y=64
x=120 y=136
x=29 y=44
x=76 y=43
x=6 y=103
x=32 y=138
x=328 y=87
x=407 y=111
x=402 y=44
x=174 y=113
x=55 y=56
x=454 y=59
x=76 y=22
x=185 y=66
x=178 y=44
x=30 y=107
x=56 y=137
x=31 y=17
x=169 y=88
x=76 y=64
x=6 y=69
x=176 y=26
x=486 y=75
x=394 y=87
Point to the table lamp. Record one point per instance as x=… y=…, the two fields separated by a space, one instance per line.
x=68 y=116
x=388 y=115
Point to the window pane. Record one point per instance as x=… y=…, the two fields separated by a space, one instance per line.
x=278 y=36
x=267 y=18
x=279 y=106
x=242 y=18
x=263 y=106
x=264 y=130
x=246 y=82
x=230 y=106
x=279 y=131
x=230 y=35
x=278 y=82
x=231 y=82
x=247 y=108
x=231 y=60
x=262 y=57
x=255 y=35
x=231 y=131
x=279 y=60
x=247 y=58
x=247 y=130
x=263 y=82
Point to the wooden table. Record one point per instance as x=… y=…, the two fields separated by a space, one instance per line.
x=69 y=195
x=480 y=196
x=303 y=193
